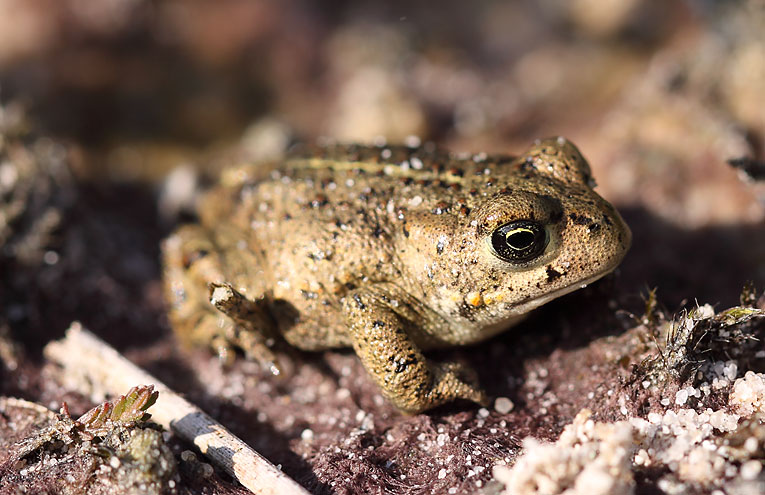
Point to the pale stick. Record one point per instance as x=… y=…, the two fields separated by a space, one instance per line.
x=83 y=355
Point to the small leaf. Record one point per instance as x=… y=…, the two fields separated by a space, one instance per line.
x=126 y=408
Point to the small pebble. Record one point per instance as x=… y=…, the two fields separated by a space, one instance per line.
x=750 y=469
x=503 y=405
x=206 y=470
x=750 y=445
x=188 y=456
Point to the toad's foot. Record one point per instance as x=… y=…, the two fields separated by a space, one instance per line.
x=248 y=328
x=395 y=362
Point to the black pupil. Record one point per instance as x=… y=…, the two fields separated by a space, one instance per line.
x=519 y=241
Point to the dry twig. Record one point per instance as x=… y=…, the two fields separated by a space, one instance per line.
x=82 y=353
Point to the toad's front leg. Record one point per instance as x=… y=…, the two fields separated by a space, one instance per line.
x=214 y=297
x=389 y=354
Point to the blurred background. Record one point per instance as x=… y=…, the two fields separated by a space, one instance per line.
x=641 y=85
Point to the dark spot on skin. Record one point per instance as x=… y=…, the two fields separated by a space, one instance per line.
x=464 y=211
x=319 y=201
x=473 y=192
x=528 y=164
x=402 y=365
x=552 y=273
x=465 y=312
x=593 y=227
x=457 y=172
x=506 y=190
x=308 y=294
x=378 y=231
x=440 y=247
x=406 y=180
x=607 y=220
x=405 y=230
x=287 y=217
x=359 y=303
x=437 y=168
x=378 y=324
x=441 y=207
x=423 y=182
x=579 y=219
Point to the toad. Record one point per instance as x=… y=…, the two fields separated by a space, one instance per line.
x=390 y=250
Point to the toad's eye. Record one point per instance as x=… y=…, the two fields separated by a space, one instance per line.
x=519 y=241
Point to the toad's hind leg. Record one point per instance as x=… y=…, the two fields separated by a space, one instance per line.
x=395 y=362
x=215 y=294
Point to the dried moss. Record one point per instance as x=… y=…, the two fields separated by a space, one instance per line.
x=110 y=449
x=698 y=337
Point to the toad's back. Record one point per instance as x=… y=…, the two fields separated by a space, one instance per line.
x=355 y=194
x=329 y=219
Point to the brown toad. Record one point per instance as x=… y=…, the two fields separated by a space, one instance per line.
x=390 y=250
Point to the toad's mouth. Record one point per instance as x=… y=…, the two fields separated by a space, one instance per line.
x=530 y=304
x=519 y=311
